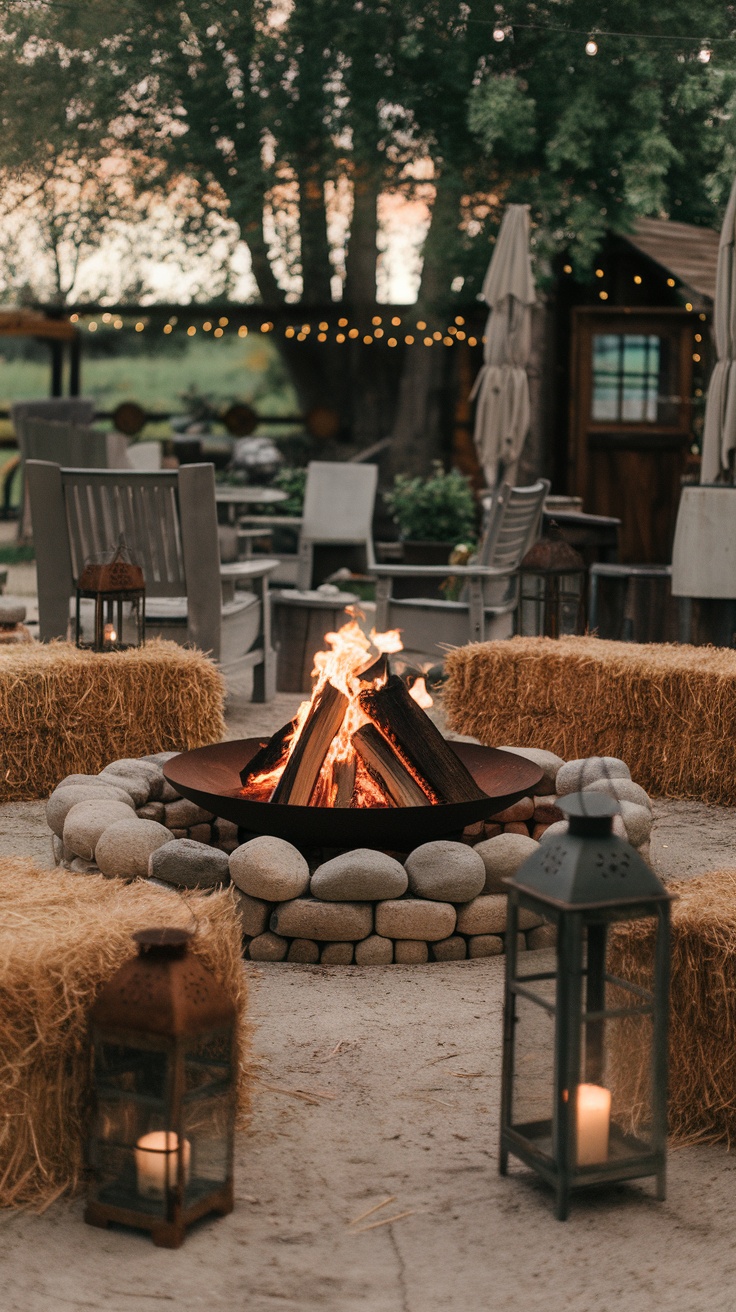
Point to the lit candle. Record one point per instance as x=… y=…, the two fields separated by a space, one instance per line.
x=593 y=1123
x=156 y=1162
x=110 y=634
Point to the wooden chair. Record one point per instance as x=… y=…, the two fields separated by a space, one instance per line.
x=338 y=514
x=169 y=521
x=75 y=410
x=491 y=593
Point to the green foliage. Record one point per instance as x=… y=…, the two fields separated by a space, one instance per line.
x=13 y=553
x=436 y=509
x=292 y=481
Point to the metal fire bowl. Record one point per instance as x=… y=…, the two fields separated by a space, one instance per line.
x=210 y=776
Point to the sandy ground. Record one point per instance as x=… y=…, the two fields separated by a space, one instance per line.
x=403 y=1065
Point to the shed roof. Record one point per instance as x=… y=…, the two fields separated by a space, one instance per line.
x=690 y=254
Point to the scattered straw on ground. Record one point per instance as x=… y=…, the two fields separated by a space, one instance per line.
x=702 y=1065
x=65 y=711
x=61 y=937
x=669 y=711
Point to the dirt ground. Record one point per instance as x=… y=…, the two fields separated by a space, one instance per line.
x=384 y=1083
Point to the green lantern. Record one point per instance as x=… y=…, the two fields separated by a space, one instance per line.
x=584 y=1084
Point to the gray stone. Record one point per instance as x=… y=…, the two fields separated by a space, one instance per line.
x=182 y=814
x=125 y=847
x=169 y=793
x=89 y=781
x=135 y=785
x=303 y=950
x=444 y=871
x=139 y=769
x=485 y=945
x=638 y=821
x=226 y=830
x=272 y=869
x=374 y=951
x=178 y=833
x=363 y=875
x=189 y=864
x=624 y=790
x=411 y=952
x=151 y=811
x=161 y=758
x=201 y=834
x=63 y=799
x=57 y=850
x=561 y=827
x=519 y=813
x=547 y=761
x=415 y=918
x=450 y=949
x=502 y=857
x=268 y=947
x=337 y=954
x=484 y=915
x=11 y=612
x=82 y=867
x=544 y=936
x=88 y=820
x=254 y=914
x=333 y=922
x=576 y=775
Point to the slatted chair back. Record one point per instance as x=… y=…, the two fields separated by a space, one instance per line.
x=75 y=410
x=76 y=446
x=168 y=520
x=514 y=524
x=338 y=510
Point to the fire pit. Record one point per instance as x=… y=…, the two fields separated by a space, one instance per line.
x=210 y=776
x=362 y=764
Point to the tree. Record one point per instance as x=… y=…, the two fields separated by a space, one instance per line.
x=265 y=108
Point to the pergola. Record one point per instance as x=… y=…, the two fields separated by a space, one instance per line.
x=59 y=334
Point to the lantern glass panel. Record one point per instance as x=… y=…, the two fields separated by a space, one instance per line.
x=131 y=1085
x=207 y=1113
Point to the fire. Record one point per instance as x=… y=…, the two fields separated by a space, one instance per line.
x=349 y=656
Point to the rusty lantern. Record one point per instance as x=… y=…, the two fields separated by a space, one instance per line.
x=110 y=581
x=551 y=589
x=164 y=1062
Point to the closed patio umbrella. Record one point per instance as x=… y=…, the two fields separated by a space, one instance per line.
x=719 y=431
x=501 y=390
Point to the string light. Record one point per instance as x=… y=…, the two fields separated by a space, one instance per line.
x=191 y=330
x=118 y=323
x=698 y=337
x=499 y=34
x=139 y=327
x=368 y=339
x=321 y=337
x=670 y=282
x=242 y=330
x=224 y=321
x=637 y=279
x=437 y=337
x=599 y=273
x=688 y=306
x=206 y=327
x=409 y=339
x=392 y=341
x=421 y=325
x=459 y=319
x=289 y=332
x=447 y=341
x=74 y=318
x=591 y=47
x=106 y=318
x=704 y=54
x=92 y=327
x=353 y=333
x=567 y=268
x=703 y=317
x=323 y=327
x=472 y=341
x=168 y=328
x=428 y=341
x=340 y=338
x=603 y=296
x=376 y=319
x=396 y=321
x=378 y=332
x=342 y=323
x=696 y=358
x=218 y=332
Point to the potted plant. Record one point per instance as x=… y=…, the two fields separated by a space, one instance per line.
x=433 y=515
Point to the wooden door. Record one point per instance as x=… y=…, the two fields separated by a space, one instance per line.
x=630 y=421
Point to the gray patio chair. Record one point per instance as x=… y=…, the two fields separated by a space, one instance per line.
x=491 y=594
x=75 y=410
x=169 y=521
x=337 y=521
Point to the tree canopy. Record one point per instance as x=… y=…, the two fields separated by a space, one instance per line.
x=279 y=116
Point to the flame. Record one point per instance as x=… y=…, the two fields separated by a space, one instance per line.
x=343 y=779
x=419 y=692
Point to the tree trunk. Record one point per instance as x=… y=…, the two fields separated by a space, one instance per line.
x=315 y=248
x=360 y=275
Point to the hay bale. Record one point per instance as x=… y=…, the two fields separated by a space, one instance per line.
x=702 y=1062
x=669 y=711
x=61 y=937
x=65 y=711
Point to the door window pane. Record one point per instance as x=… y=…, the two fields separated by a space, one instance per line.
x=631 y=379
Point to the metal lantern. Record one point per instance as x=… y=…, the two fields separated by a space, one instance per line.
x=110 y=581
x=551 y=589
x=584 y=1081
x=164 y=1076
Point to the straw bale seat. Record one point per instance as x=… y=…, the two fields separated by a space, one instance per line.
x=61 y=937
x=66 y=711
x=669 y=711
x=702 y=1064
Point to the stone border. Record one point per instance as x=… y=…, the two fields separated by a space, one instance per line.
x=446 y=901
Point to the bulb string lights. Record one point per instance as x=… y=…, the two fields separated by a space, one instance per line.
x=390 y=330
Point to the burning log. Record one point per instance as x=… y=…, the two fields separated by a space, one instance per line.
x=301 y=771
x=344 y=775
x=418 y=742
x=382 y=761
x=268 y=757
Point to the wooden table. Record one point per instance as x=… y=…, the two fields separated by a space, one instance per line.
x=232 y=497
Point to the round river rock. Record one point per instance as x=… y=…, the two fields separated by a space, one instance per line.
x=587 y=770
x=328 y=922
x=415 y=918
x=444 y=871
x=124 y=848
x=87 y=821
x=623 y=790
x=547 y=761
x=271 y=869
x=374 y=951
x=64 y=798
x=359 y=876
x=189 y=864
x=502 y=856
